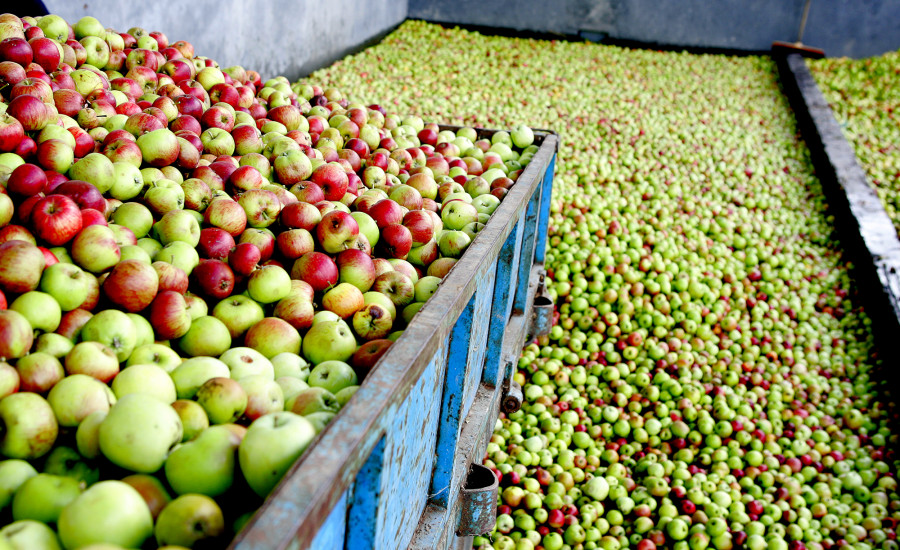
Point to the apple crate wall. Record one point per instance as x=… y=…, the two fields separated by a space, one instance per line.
x=387 y=472
x=273 y=37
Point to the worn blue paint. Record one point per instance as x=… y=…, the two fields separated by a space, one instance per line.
x=527 y=255
x=331 y=534
x=546 y=191
x=481 y=319
x=502 y=306
x=364 y=504
x=409 y=455
x=451 y=406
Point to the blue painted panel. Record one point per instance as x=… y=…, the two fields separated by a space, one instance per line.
x=546 y=191
x=409 y=455
x=481 y=319
x=514 y=275
x=503 y=298
x=331 y=534
x=451 y=406
x=526 y=259
x=364 y=505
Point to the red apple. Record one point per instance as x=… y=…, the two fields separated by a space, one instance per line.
x=214 y=278
x=56 y=219
x=317 y=269
x=131 y=285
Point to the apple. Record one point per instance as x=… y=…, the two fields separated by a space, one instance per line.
x=95 y=249
x=207 y=335
x=170 y=276
x=367 y=355
x=21 y=265
x=317 y=269
x=193 y=418
x=307 y=191
x=223 y=399
x=290 y=364
x=453 y=243
x=272 y=444
x=297 y=310
x=261 y=207
x=53 y=343
x=396 y=286
x=29 y=426
x=396 y=240
x=40 y=310
x=11 y=132
x=169 y=316
x=217 y=141
x=214 y=278
x=238 y=313
x=227 y=215
x=131 y=285
x=272 y=336
x=111 y=512
x=372 y=322
x=300 y=215
x=93 y=359
x=344 y=299
x=180 y=254
x=138 y=432
x=332 y=376
x=42 y=497
x=28 y=534
x=155 y=354
x=151 y=490
x=386 y=212
x=329 y=340
x=314 y=400
x=13 y=473
x=199 y=469
x=26 y=179
x=150 y=380
x=293 y=166
x=159 y=147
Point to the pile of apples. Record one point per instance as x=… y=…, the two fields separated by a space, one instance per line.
x=711 y=381
x=197 y=270
x=862 y=94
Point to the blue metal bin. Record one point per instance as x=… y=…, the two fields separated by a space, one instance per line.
x=388 y=472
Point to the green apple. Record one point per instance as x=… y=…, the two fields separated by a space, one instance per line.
x=329 y=340
x=138 y=432
x=426 y=286
x=333 y=376
x=107 y=512
x=177 y=225
x=290 y=364
x=223 y=399
x=68 y=462
x=29 y=534
x=193 y=418
x=319 y=419
x=28 y=427
x=191 y=520
x=87 y=436
x=53 y=344
x=155 y=354
x=367 y=226
x=180 y=254
x=67 y=283
x=207 y=336
x=290 y=387
x=43 y=497
x=54 y=27
x=95 y=169
x=112 y=328
x=194 y=372
x=345 y=394
x=41 y=309
x=264 y=396
x=268 y=284
x=272 y=444
x=133 y=215
x=13 y=473
x=204 y=465
x=375 y=297
x=128 y=183
x=88 y=26
x=143 y=330
x=239 y=313
x=147 y=379
x=244 y=361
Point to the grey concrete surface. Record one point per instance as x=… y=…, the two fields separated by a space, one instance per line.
x=855 y=28
x=273 y=37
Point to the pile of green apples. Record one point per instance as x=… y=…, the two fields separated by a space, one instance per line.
x=197 y=270
x=862 y=94
x=711 y=381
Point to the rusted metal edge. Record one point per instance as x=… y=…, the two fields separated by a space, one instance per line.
x=292 y=514
x=437 y=523
x=866 y=229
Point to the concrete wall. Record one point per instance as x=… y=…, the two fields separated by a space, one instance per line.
x=856 y=28
x=273 y=37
